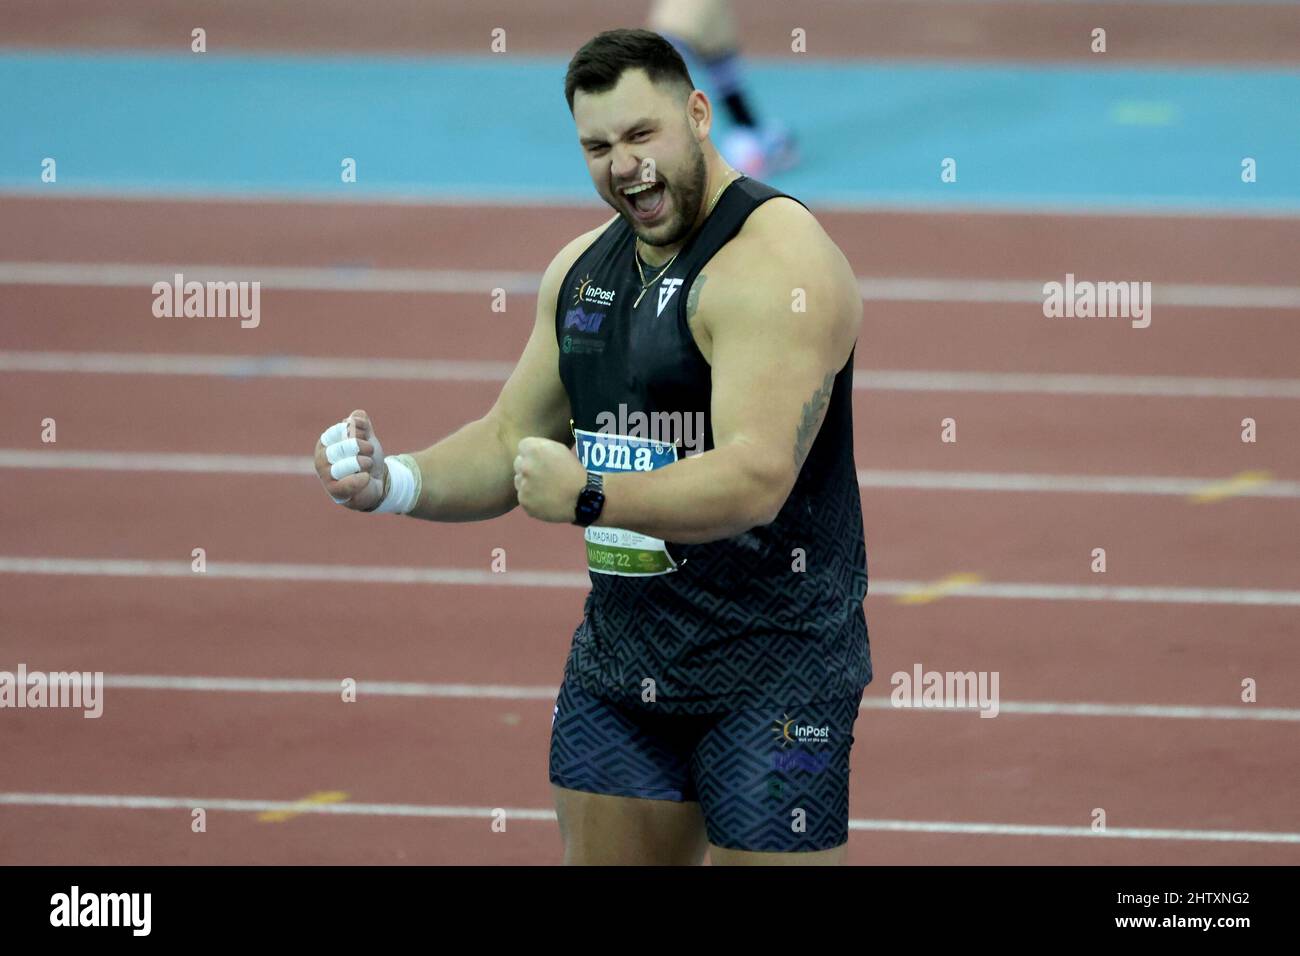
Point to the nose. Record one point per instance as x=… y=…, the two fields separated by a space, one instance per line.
x=624 y=166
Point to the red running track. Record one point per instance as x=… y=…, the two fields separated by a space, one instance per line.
x=478 y=748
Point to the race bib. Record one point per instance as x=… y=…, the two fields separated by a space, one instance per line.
x=615 y=550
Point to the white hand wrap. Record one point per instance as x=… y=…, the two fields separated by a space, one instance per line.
x=403 y=486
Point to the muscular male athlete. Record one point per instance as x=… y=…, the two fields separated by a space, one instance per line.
x=709 y=697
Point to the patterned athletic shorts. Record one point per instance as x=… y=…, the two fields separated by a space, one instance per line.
x=774 y=780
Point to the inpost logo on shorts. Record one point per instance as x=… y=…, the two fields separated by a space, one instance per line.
x=787 y=731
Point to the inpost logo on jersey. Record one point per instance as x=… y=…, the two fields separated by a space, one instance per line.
x=787 y=731
x=588 y=294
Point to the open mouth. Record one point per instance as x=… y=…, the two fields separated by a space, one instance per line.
x=646 y=200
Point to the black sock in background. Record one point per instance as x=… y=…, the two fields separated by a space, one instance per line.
x=739 y=109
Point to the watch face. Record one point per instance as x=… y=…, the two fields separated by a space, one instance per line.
x=590 y=503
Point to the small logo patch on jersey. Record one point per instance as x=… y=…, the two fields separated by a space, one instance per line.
x=588 y=294
x=583 y=321
x=666 y=289
x=581 y=346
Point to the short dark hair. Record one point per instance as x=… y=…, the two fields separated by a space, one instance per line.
x=604 y=58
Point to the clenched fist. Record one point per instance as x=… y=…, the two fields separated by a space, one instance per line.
x=548 y=477
x=350 y=463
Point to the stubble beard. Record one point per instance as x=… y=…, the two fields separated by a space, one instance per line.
x=687 y=203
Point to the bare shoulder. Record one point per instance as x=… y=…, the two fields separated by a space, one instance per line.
x=782 y=254
x=781 y=218
x=567 y=256
x=785 y=233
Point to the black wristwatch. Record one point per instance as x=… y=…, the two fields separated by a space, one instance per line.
x=591 y=500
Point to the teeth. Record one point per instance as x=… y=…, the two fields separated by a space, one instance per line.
x=640 y=187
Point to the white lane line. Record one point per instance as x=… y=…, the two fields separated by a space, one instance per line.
x=1114 y=833
x=1052 y=708
x=455 y=370
x=295 y=278
x=483 y=281
x=1180 y=294
x=1060 y=484
x=293 y=572
x=1063 y=383
x=284 y=685
x=259 y=366
x=370 y=574
x=126 y=802
x=280 y=685
x=1141 y=3
x=60 y=459
x=260 y=806
x=215 y=464
x=1100 y=592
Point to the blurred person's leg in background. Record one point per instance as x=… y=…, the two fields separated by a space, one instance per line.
x=704 y=32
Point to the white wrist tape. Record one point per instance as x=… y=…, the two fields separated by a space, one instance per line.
x=403 y=486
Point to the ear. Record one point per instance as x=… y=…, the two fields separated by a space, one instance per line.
x=700 y=113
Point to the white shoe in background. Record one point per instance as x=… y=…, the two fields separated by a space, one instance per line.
x=760 y=152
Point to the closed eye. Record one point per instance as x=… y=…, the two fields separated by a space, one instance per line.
x=640 y=136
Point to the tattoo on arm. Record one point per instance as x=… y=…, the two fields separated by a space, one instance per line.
x=693 y=297
x=813 y=410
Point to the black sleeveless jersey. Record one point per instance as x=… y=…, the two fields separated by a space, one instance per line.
x=770 y=617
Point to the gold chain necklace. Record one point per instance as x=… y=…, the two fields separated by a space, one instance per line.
x=641 y=272
x=646 y=285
